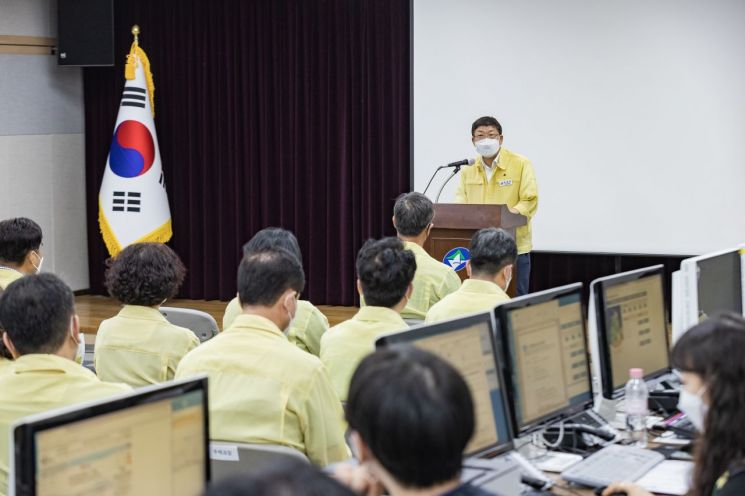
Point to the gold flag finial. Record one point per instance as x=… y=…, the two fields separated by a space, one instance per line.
x=136 y=32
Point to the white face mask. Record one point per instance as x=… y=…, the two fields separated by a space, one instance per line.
x=507 y=283
x=290 y=315
x=487 y=147
x=80 y=352
x=694 y=407
x=41 y=262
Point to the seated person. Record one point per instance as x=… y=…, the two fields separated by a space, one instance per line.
x=20 y=249
x=262 y=388
x=709 y=359
x=493 y=254
x=309 y=324
x=384 y=274
x=42 y=333
x=288 y=478
x=411 y=416
x=139 y=346
x=412 y=217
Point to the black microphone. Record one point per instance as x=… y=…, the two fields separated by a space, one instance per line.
x=458 y=165
x=465 y=161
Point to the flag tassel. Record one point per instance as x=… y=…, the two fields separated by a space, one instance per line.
x=136 y=53
x=109 y=238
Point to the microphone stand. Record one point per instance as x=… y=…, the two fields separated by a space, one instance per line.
x=455 y=171
x=433 y=176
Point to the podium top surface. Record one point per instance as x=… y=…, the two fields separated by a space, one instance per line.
x=476 y=216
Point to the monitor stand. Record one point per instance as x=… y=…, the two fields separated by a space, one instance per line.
x=606 y=408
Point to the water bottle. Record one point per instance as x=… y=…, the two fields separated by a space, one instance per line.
x=637 y=395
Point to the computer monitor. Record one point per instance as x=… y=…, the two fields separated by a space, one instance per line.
x=154 y=440
x=545 y=356
x=468 y=345
x=711 y=283
x=628 y=328
x=676 y=304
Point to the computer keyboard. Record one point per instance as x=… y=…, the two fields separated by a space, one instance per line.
x=612 y=463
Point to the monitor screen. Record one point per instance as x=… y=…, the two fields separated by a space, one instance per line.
x=151 y=444
x=544 y=337
x=468 y=345
x=719 y=285
x=634 y=327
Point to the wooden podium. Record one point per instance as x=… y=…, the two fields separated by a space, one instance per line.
x=456 y=223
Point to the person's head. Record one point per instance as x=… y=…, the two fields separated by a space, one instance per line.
x=385 y=270
x=271 y=238
x=411 y=416
x=412 y=215
x=486 y=136
x=269 y=284
x=20 y=245
x=287 y=478
x=709 y=358
x=145 y=274
x=38 y=315
x=493 y=255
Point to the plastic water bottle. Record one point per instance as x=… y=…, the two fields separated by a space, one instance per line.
x=637 y=395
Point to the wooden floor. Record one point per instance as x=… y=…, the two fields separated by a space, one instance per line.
x=93 y=309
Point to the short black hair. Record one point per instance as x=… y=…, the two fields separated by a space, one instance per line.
x=413 y=213
x=145 y=274
x=35 y=312
x=492 y=250
x=271 y=238
x=485 y=121
x=414 y=411
x=284 y=479
x=385 y=269
x=264 y=275
x=18 y=237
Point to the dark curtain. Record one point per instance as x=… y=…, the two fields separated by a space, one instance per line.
x=551 y=270
x=291 y=113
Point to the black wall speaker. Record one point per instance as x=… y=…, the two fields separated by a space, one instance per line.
x=85 y=32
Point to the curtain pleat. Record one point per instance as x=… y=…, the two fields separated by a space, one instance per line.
x=291 y=113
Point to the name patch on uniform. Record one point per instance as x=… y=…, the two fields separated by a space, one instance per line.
x=226 y=452
x=505 y=182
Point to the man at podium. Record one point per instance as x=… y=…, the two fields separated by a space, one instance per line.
x=502 y=177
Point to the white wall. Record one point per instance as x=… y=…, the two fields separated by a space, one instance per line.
x=42 y=154
x=632 y=112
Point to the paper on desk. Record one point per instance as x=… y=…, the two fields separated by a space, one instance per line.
x=671 y=439
x=669 y=477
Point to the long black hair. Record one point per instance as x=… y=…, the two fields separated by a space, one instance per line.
x=715 y=350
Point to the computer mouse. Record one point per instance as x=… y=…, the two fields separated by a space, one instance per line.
x=599 y=491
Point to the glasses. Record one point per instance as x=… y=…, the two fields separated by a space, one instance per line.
x=479 y=136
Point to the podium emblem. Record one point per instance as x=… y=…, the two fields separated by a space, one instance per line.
x=457 y=258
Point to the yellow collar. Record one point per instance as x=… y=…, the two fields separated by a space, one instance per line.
x=498 y=162
x=142 y=312
x=252 y=323
x=410 y=245
x=47 y=363
x=379 y=314
x=480 y=286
